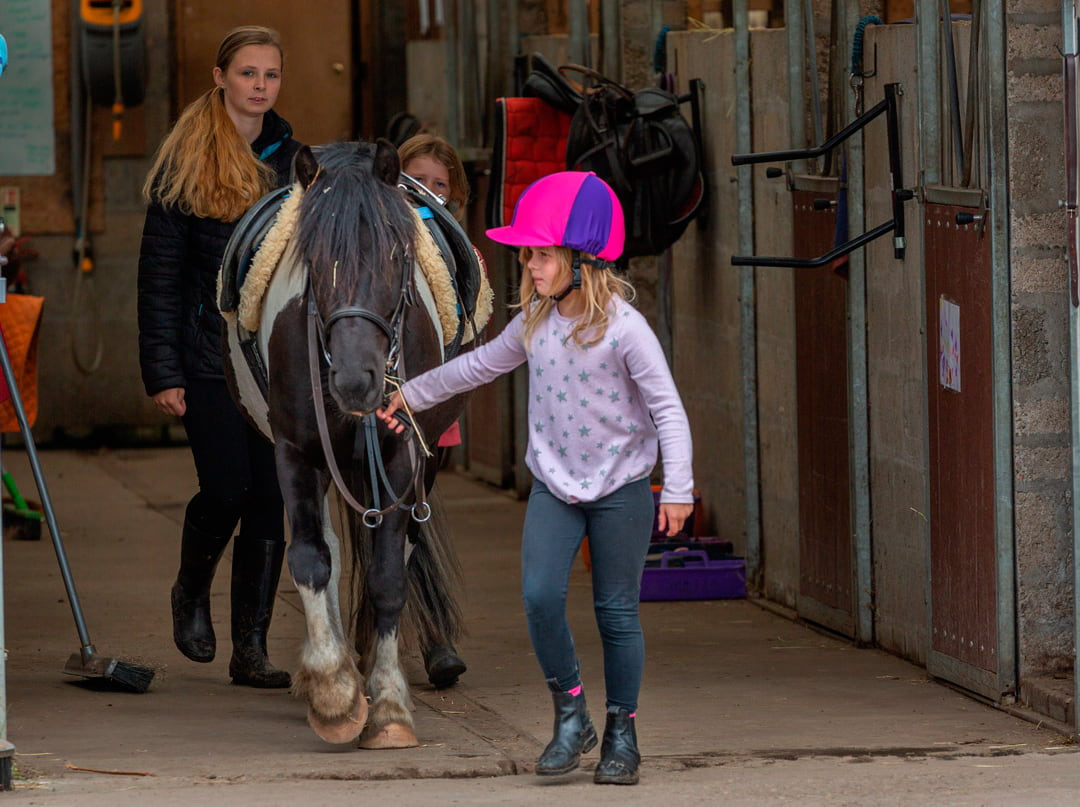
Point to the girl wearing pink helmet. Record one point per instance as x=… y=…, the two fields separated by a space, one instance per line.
x=601 y=403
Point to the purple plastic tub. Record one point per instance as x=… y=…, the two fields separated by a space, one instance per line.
x=691 y=575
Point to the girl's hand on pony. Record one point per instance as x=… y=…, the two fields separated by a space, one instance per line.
x=672 y=516
x=386 y=413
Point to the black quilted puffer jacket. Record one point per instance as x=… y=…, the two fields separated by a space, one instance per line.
x=180 y=329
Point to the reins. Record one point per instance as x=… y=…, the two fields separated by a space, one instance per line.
x=317 y=340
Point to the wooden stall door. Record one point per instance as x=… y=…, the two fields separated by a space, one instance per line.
x=963 y=571
x=317 y=84
x=825 y=535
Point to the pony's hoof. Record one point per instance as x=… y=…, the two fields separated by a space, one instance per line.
x=392 y=735
x=341 y=731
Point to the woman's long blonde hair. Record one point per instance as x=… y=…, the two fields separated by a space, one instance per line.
x=204 y=166
x=598 y=286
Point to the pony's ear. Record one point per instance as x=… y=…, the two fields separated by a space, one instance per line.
x=387 y=165
x=305 y=167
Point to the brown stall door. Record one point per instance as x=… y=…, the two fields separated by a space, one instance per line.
x=825 y=540
x=316 y=91
x=959 y=343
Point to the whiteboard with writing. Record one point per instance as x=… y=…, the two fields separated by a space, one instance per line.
x=27 y=136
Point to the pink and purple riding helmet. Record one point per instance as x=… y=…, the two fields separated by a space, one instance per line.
x=574 y=209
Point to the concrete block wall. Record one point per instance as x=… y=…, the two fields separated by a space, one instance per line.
x=1040 y=339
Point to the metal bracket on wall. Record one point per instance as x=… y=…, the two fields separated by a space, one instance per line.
x=900 y=194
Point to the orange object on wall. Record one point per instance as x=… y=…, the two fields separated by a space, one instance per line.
x=20 y=324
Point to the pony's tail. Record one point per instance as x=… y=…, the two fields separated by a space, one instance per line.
x=432 y=614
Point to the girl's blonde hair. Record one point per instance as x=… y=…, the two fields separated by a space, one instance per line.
x=440 y=150
x=598 y=286
x=204 y=166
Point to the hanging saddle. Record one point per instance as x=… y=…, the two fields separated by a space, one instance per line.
x=637 y=142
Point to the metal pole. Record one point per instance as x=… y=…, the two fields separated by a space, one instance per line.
x=578 y=44
x=1069 y=46
x=453 y=85
x=796 y=48
x=611 y=39
x=955 y=123
x=929 y=60
x=815 y=84
x=994 y=69
x=471 y=129
x=858 y=404
x=7 y=750
x=747 y=292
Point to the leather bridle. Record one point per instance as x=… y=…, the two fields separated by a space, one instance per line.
x=318 y=341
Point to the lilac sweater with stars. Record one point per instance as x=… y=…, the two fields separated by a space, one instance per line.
x=596 y=415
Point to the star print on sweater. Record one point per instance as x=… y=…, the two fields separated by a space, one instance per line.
x=613 y=403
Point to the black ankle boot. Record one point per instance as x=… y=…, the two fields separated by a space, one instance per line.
x=574 y=734
x=193 y=631
x=256 y=570
x=619 y=757
x=443 y=665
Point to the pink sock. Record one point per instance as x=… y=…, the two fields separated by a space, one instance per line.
x=575 y=691
x=633 y=714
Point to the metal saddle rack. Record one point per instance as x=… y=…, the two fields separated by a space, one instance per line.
x=900 y=194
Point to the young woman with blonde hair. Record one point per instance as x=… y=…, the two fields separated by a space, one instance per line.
x=228 y=148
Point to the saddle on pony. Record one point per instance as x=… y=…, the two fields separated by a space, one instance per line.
x=460 y=303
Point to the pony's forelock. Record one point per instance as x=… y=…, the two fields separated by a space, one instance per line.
x=331 y=231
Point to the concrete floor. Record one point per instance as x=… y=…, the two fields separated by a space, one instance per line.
x=740 y=704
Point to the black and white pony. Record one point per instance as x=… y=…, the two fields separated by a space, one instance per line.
x=342 y=316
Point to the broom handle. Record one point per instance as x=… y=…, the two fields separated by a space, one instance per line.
x=43 y=491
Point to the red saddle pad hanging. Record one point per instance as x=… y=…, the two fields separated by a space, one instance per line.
x=20 y=324
x=530 y=142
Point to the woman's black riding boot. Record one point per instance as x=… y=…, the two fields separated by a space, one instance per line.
x=619 y=757
x=193 y=632
x=573 y=733
x=443 y=665
x=256 y=570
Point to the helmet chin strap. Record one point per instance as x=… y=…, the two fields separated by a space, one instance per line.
x=575 y=279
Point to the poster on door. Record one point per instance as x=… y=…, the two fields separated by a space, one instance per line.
x=949 y=344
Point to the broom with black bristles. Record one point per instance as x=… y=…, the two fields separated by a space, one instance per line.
x=86 y=662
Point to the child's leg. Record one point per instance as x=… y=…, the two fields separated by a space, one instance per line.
x=619 y=527
x=550 y=540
